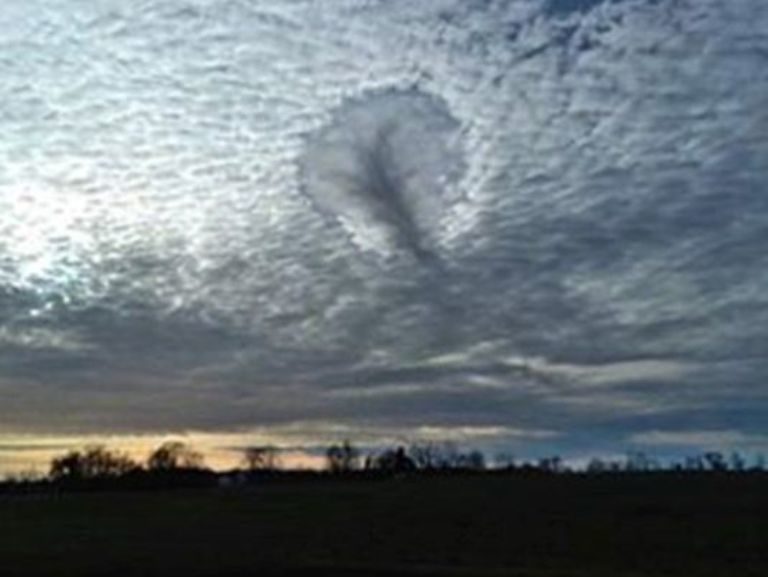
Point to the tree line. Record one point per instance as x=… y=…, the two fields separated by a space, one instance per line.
x=96 y=461
x=176 y=463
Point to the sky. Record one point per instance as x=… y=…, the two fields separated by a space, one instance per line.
x=529 y=226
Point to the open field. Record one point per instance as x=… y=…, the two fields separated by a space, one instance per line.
x=617 y=526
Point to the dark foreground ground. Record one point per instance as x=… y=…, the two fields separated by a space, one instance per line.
x=617 y=526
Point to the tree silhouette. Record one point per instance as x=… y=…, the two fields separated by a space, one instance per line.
x=264 y=458
x=473 y=461
x=445 y=455
x=715 y=461
x=394 y=461
x=505 y=460
x=424 y=455
x=638 y=462
x=432 y=455
x=552 y=464
x=737 y=462
x=92 y=462
x=342 y=458
x=174 y=455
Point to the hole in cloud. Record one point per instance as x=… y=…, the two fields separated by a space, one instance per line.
x=385 y=168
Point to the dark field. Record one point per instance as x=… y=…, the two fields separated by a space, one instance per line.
x=616 y=525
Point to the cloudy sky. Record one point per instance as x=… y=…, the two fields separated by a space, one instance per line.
x=530 y=225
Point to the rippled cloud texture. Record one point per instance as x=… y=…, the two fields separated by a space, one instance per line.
x=539 y=224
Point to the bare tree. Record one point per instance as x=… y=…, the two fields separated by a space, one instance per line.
x=738 y=462
x=444 y=455
x=92 y=462
x=173 y=455
x=715 y=461
x=505 y=460
x=552 y=464
x=261 y=458
x=342 y=458
x=393 y=461
x=638 y=462
x=448 y=455
x=424 y=455
x=473 y=461
x=432 y=455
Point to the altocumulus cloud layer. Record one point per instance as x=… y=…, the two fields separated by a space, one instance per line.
x=536 y=223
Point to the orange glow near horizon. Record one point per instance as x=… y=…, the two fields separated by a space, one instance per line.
x=30 y=455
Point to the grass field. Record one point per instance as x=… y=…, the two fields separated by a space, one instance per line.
x=617 y=526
